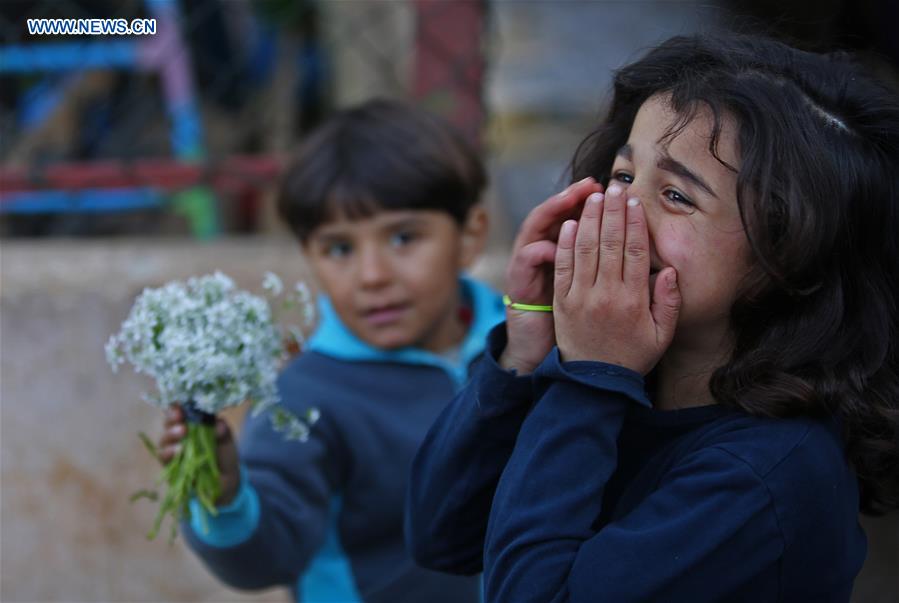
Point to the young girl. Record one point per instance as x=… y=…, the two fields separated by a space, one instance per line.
x=714 y=395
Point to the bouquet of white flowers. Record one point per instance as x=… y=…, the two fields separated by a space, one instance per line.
x=208 y=346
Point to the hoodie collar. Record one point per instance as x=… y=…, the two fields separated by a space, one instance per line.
x=332 y=338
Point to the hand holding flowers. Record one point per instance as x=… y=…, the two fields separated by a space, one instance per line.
x=208 y=346
x=175 y=428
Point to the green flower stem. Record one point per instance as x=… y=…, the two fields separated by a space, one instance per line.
x=193 y=472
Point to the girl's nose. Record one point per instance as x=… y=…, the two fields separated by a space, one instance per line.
x=649 y=204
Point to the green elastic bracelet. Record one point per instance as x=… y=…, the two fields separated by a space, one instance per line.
x=525 y=307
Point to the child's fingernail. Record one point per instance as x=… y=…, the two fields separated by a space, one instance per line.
x=672 y=280
x=587 y=179
x=633 y=202
x=595 y=198
x=614 y=190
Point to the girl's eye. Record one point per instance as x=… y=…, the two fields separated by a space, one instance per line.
x=337 y=250
x=623 y=177
x=401 y=239
x=677 y=198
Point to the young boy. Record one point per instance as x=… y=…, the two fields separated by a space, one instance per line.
x=384 y=201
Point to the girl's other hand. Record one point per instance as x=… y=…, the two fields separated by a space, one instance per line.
x=602 y=306
x=529 y=276
x=175 y=430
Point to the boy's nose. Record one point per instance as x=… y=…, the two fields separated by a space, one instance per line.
x=374 y=269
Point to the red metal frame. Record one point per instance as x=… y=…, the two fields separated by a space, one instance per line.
x=234 y=174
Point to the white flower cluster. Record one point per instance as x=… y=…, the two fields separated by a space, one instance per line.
x=203 y=341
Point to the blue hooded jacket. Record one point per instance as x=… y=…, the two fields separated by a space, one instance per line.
x=325 y=517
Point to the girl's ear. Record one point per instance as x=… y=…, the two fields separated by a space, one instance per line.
x=474 y=235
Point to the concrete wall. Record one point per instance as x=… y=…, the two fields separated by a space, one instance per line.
x=70 y=453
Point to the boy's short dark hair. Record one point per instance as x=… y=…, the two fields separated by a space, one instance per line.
x=381 y=155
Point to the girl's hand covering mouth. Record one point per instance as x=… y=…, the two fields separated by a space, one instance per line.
x=602 y=307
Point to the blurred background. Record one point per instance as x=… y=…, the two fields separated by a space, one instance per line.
x=127 y=161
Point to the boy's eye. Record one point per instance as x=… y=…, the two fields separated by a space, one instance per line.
x=402 y=238
x=337 y=250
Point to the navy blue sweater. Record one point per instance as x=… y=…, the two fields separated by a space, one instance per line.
x=568 y=486
x=325 y=517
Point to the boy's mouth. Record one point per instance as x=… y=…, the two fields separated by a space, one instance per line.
x=384 y=314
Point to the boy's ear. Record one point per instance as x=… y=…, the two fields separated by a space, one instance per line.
x=474 y=235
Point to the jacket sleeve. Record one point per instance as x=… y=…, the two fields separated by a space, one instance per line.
x=707 y=530
x=278 y=520
x=456 y=469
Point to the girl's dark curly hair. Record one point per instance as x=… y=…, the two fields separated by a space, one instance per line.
x=817 y=328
